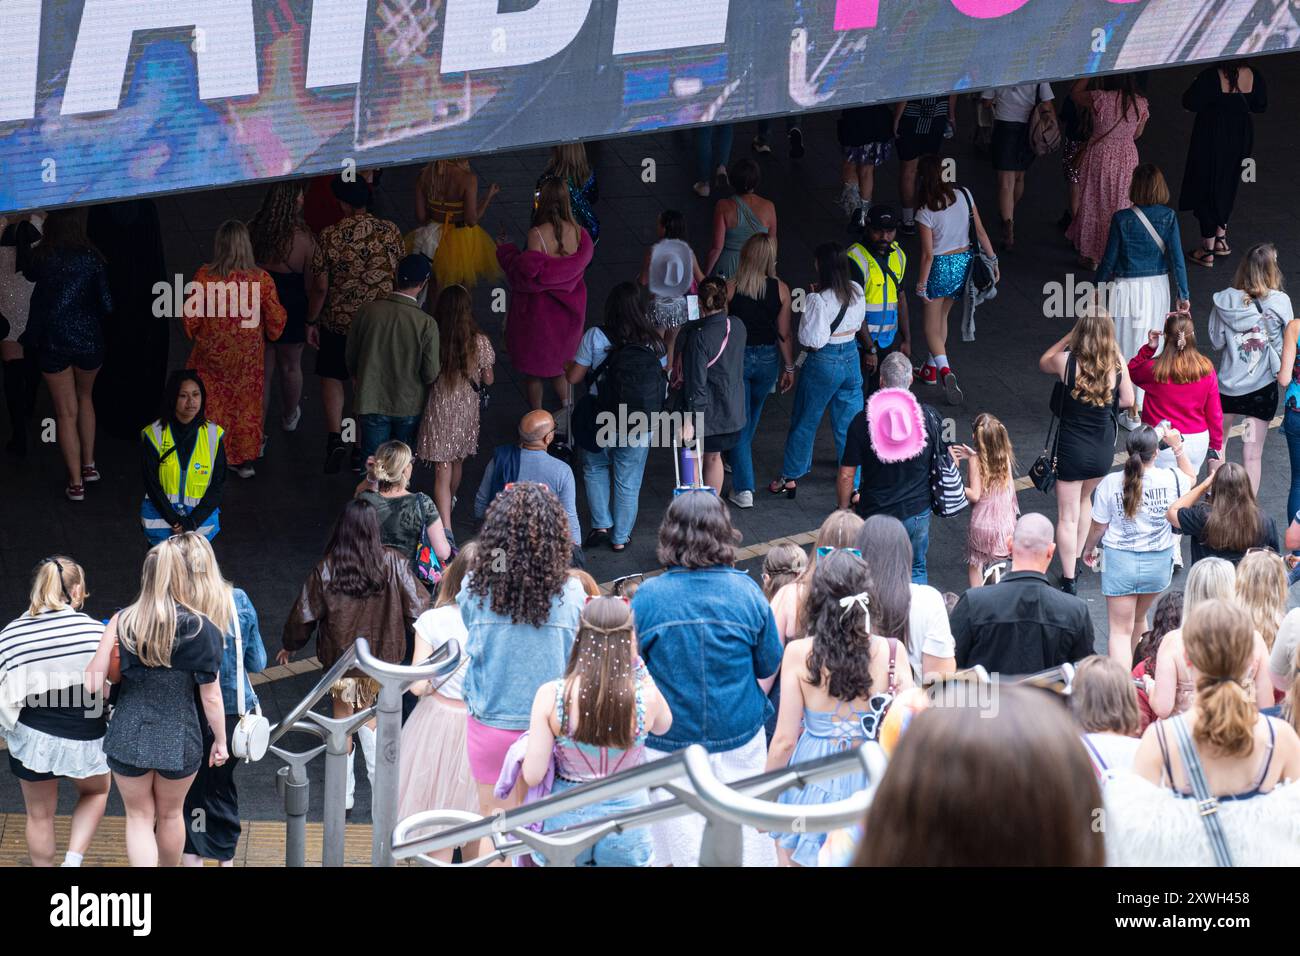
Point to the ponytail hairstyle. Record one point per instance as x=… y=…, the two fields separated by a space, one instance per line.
x=1180 y=363
x=58 y=584
x=1141 y=446
x=603 y=665
x=1262 y=591
x=392 y=458
x=993 y=446
x=1219 y=641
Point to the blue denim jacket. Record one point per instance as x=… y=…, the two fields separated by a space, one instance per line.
x=254 y=655
x=1131 y=253
x=706 y=637
x=508 y=661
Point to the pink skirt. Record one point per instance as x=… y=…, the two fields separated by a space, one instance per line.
x=487 y=748
x=435 y=772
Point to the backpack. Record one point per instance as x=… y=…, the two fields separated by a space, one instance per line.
x=633 y=378
x=1044 y=131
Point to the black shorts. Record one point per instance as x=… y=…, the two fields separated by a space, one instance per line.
x=331 y=359
x=1261 y=403
x=912 y=145
x=724 y=442
x=52 y=362
x=126 y=770
x=1010 y=150
x=17 y=768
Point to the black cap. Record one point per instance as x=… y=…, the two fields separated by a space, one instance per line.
x=413 y=270
x=882 y=216
x=354 y=192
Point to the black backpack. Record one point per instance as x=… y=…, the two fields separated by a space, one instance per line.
x=633 y=377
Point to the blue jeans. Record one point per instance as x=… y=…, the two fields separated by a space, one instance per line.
x=832 y=376
x=762 y=369
x=627 y=464
x=377 y=429
x=918 y=529
x=1291 y=429
x=712 y=149
x=630 y=848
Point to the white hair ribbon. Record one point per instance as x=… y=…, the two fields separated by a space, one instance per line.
x=862 y=600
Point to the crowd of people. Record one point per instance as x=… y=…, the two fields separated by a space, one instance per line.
x=837 y=646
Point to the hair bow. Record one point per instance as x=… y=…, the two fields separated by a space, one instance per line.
x=862 y=600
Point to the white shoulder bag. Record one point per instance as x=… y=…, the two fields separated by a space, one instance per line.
x=252 y=734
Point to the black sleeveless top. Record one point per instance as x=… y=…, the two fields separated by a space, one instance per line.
x=759 y=315
x=1087 y=437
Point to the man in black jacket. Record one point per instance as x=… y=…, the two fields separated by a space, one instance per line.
x=1022 y=624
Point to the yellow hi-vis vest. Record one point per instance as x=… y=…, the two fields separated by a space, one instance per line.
x=881 y=291
x=183 y=491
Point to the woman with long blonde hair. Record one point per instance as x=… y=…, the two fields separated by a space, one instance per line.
x=283 y=245
x=1094 y=386
x=569 y=163
x=446 y=198
x=154 y=743
x=213 y=797
x=757 y=297
x=238 y=312
x=1262 y=590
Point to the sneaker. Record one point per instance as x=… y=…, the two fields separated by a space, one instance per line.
x=243 y=471
x=927 y=375
x=75 y=492
x=702 y=190
x=741 y=499
x=795 y=137
x=858 y=221
x=759 y=145
x=951 y=390
x=1131 y=422
x=89 y=473
x=290 y=423
x=907 y=229
x=850 y=198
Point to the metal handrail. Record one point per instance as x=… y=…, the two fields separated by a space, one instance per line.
x=301 y=709
x=502 y=826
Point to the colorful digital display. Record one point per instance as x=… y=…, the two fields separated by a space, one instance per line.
x=102 y=99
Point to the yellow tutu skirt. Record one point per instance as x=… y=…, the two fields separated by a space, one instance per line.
x=466 y=255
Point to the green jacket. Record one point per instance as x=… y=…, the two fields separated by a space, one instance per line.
x=392 y=352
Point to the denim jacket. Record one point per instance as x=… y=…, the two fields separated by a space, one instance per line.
x=1131 y=253
x=508 y=661
x=254 y=655
x=707 y=637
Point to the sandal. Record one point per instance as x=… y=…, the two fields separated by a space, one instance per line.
x=1221 y=246
x=782 y=484
x=1201 y=256
x=595 y=537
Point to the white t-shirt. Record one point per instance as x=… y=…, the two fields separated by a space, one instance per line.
x=1282 y=662
x=1149 y=529
x=951 y=226
x=1111 y=751
x=437 y=626
x=819 y=312
x=927 y=627
x=1014 y=104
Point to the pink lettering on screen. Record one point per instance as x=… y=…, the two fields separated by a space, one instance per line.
x=988 y=9
x=856 y=14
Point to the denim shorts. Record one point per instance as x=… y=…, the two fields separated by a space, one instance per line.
x=630 y=848
x=1136 y=572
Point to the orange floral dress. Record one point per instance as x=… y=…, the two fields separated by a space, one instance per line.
x=230 y=324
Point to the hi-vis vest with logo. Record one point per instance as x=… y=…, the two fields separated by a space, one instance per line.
x=184 y=491
x=882 y=293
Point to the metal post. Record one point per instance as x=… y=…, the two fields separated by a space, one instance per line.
x=295 y=788
x=335 y=731
x=383 y=794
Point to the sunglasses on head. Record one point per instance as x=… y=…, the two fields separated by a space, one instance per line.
x=512 y=484
x=592 y=597
x=824 y=551
x=687 y=489
x=617 y=584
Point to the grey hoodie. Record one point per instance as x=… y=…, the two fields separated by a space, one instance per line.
x=1250 y=334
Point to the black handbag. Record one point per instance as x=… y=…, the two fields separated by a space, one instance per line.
x=1042 y=473
x=980 y=272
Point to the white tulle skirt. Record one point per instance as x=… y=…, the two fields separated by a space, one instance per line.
x=435 y=771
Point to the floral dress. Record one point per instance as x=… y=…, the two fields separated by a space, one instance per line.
x=1105 y=170
x=449 y=429
x=229 y=345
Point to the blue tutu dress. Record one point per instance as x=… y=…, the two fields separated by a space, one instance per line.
x=824 y=733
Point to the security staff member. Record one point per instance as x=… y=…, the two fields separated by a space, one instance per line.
x=878 y=263
x=184 y=464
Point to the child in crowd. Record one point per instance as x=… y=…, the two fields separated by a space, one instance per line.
x=992 y=493
x=783 y=564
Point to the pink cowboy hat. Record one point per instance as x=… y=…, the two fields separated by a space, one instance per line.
x=895 y=424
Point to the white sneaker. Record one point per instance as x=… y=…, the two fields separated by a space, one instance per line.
x=290 y=423
x=243 y=471
x=1131 y=422
x=850 y=198
x=351 y=795
x=741 y=499
x=702 y=190
x=367 y=738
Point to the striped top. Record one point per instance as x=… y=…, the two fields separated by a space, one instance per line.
x=47 y=652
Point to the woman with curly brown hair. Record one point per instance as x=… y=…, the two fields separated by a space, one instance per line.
x=1094 y=386
x=708 y=638
x=828 y=680
x=521 y=608
x=283 y=245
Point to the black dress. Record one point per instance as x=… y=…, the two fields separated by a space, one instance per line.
x=1222 y=137
x=1087 y=436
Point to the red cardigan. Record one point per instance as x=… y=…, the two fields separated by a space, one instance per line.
x=1191 y=407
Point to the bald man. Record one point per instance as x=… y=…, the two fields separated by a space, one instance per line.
x=1023 y=624
x=528 y=461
